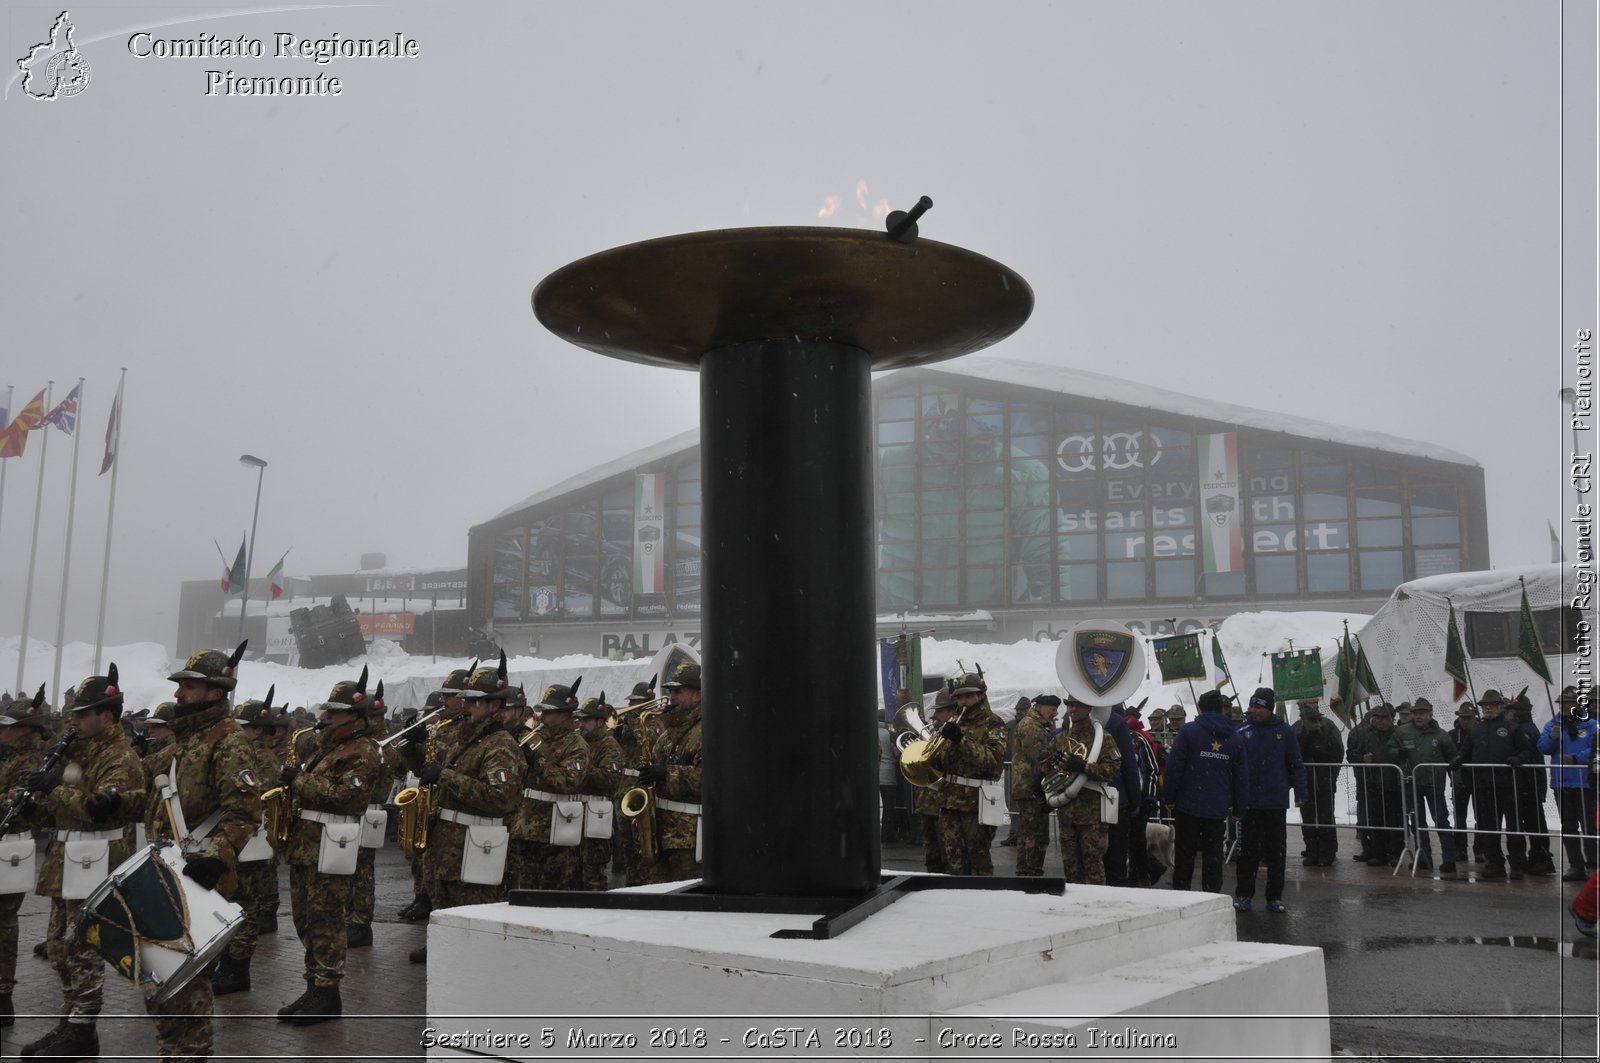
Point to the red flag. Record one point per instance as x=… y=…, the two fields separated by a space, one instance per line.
x=14 y=436
x=233 y=575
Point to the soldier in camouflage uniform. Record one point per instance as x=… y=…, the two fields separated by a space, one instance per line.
x=521 y=863
x=929 y=799
x=88 y=809
x=219 y=795
x=634 y=734
x=973 y=751
x=427 y=744
x=258 y=721
x=477 y=780
x=1084 y=837
x=603 y=781
x=363 y=897
x=330 y=789
x=675 y=773
x=21 y=750
x=1032 y=824
x=557 y=761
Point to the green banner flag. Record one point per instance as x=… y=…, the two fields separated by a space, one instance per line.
x=1455 y=657
x=1179 y=658
x=1529 y=647
x=1297 y=675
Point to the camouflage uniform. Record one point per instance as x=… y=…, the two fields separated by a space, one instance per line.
x=258 y=879
x=634 y=737
x=1083 y=836
x=481 y=777
x=363 y=895
x=556 y=764
x=979 y=755
x=1032 y=823
x=216 y=772
x=108 y=763
x=604 y=778
x=337 y=781
x=17 y=760
x=678 y=749
x=929 y=800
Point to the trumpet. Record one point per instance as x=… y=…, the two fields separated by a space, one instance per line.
x=399 y=739
x=533 y=739
x=644 y=709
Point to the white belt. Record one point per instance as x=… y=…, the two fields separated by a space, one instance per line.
x=88 y=835
x=544 y=795
x=677 y=806
x=962 y=780
x=20 y=836
x=452 y=816
x=326 y=817
x=634 y=772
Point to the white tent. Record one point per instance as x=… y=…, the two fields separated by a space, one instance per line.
x=1405 y=639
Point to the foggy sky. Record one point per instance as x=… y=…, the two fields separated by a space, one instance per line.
x=1343 y=210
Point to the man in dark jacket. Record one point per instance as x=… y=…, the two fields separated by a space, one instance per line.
x=1501 y=747
x=1461 y=784
x=1376 y=753
x=1429 y=750
x=1274 y=767
x=1207 y=781
x=1119 y=845
x=1530 y=780
x=1320 y=751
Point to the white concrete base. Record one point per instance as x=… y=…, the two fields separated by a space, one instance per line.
x=1153 y=974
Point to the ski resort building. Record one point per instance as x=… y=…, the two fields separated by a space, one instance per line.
x=1014 y=500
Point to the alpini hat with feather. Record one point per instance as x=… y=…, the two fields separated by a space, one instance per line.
x=99 y=692
x=489 y=682
x=253 y=713
x=348 y=697
x=26 y=713
x=559 y=698
x=593 y=709
x=212 y=666
x=456 y=681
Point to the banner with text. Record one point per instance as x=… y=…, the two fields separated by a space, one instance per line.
x=1222 y=532
x=649 y=534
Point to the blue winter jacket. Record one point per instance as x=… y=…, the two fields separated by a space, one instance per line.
x=1129 y=785
x=1206 y=771
x=1556 y=743
x=1274 y=761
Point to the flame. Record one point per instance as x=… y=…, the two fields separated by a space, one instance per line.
x=869 y=213
x=861 y=193
x=829 y=205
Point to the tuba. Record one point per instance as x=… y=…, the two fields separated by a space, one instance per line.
x=1059 y=787
x=916 y=756
x=639 y=805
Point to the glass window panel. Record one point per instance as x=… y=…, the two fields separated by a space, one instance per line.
x=1077 y=453
x=1429 y=499
x=1377 y=501
x=894 y=591
x=1272 y=538
x=897 y=407
x=984 y=424
x=899 y=504
x=1435 y=562
x=1276 y=575
x=897 y=530
x=1079 y=547
x=688 y=514
x=509 y=572
x=1030 y=581
x=1035 y=447
x=1431 y=531
x=1323 y=477
x=941 y=501
x=985 y=496
x=1319 y=504
x=1266 y=508
x=1378 y=532
x=897 y=432
x=985 y=552
x=1172 y=515
x=1260 y=456
x=1078 y=497
x=984 y=586
x=940 y=586
x=1079 y=583
x=1029 y=494
x=1328 y=572
x=1372 y=476
x=896 y=555
x=941 y=475
x=1123 y=545
x=941 y=552
x=1326 y=535
x=897 y=455
x=1125 y=579
x=1172 y=438
x=1381 y=570
x=689 y=487
x=1172 y=542
x=939 y=404
x=1229 y=584
x=1030 y=420
x=896 y=478
x=1174 y=579
x=940 y=526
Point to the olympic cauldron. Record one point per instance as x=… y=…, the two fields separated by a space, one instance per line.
x=785 y=326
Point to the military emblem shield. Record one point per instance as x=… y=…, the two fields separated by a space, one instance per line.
x=1102 y=656
x=1100 y=662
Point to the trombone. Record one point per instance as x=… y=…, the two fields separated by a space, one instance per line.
x=644 y=709
x=399 y=738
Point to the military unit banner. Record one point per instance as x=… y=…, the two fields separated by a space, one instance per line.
x=649 y=533
x=1179 y=658
x=1297 y=675
x=1221 y=523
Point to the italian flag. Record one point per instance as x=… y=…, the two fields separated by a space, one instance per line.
x=1221 y=526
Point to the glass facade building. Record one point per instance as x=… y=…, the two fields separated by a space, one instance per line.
x=1014 y=492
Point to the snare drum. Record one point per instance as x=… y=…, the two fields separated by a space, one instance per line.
x=154 y=924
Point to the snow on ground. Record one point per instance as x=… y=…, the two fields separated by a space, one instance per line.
x=1022 y=668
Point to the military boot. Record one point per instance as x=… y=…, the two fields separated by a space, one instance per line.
x=357 y=936
x=34 y=1047
x=320 y=1004
x=8 y=1014
x=267 y=922
x=418 y=955
x=231 y=976
x=295 y=1006
x=75 y=1040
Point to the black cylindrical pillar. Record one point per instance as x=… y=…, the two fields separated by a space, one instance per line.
x=789 y=730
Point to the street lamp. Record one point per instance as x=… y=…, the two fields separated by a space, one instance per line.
x=250 y=461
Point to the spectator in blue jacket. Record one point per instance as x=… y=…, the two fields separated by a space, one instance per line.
x=1274 y=766
x=1569 y=743
x=1207 y=781
x=1129 y=785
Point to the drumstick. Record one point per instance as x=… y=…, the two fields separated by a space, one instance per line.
x=163 y=783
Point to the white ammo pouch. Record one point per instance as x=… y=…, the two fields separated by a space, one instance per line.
x=1110 y=801
x=340 y=846
x=597 y=817
x=16 y=863
x=566 y=816
x=483 y=851
x=992 y=803
x=374 y=825
x=86 y=861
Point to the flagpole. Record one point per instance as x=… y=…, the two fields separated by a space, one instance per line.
x=111 y=512
x=66 y=548
x=1465 y=670
x=33 y=550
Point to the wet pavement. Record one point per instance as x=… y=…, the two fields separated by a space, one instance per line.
x=1431 y=967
